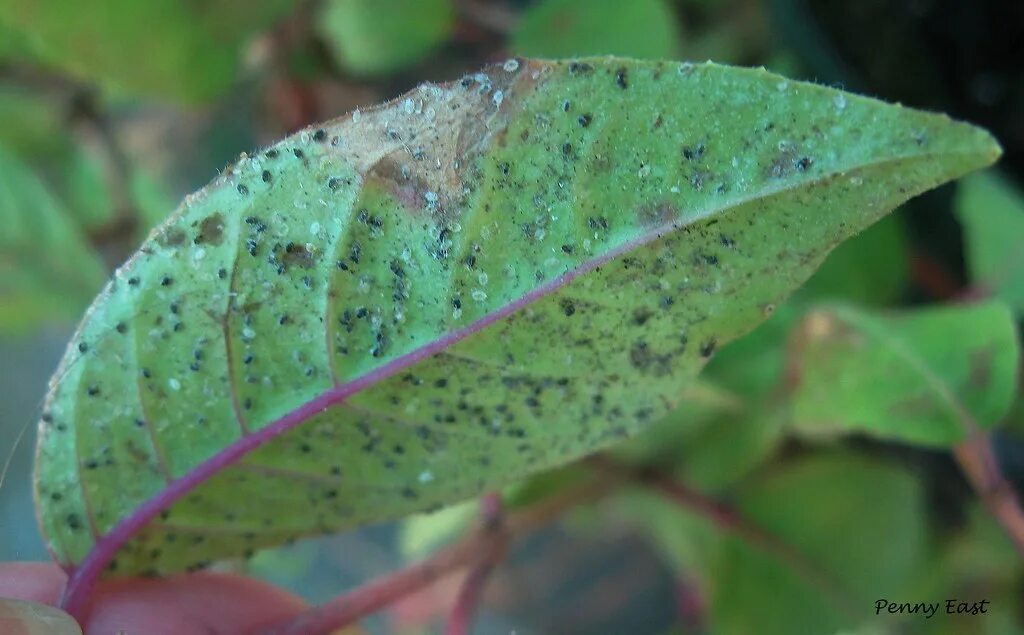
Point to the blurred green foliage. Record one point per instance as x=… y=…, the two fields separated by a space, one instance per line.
x=373 y=37
x=109 y=112
x=47 y=268
x=567 y=28
x=991 y=210
x=949 y=371
x=860 y=522
x=162 y=48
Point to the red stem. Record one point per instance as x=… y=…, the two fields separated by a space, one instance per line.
x=474 y=548
x=979 y=464
x=461 y=617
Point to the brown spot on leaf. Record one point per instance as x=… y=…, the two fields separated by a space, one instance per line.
x=171 y=237
x=294 y=254
x=211 y=230
x=413 y=159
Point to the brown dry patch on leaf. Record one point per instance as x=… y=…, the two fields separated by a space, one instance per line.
x=171 y=237
x=211 y=230
x=418 y=146
x=821 y=327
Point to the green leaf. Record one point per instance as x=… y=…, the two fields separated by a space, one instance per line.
x=31 y=126
x=47 y=271
x=701 y=404
x=449 y=292
x=374 y=37
x=921 y=376
x=188 y=51
x=710 y=440
x=31 y=618
x=645 y=29
x=422 y=534
x=859 y=524
x=86 y=189
x=978 y=563
x=871 y=269
x=689 y=542
x=151 y=199
x=14 y=44
x=991 y=210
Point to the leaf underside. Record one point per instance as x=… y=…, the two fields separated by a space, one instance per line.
x=472 y=283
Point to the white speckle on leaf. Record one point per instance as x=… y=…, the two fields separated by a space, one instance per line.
x=314 y=228
x=782 y=86
x=174 y=384
x=479 y=295
x=498 y=97
x=426 y=476
x=511 y=65
x=839 y=101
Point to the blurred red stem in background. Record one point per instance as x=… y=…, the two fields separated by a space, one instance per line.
x=486 y=544
x=461 y=617
x=979 y=464
x=729 y=521
x=481 y=550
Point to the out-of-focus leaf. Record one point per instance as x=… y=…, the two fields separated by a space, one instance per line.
x=86 y=184
x=421 y=534
x=729 y=448
x=977 y=563
x=712 y=438
x=870 y=269
x=15 y=45
x=151 y=199
x=18 y=617
x=379 y=36
x=991 y=210
x=336 y=316
x=688 y=541
x=701 y=403
x=47 y=271
x=566 y=28
x=162 y=48
x=86 y=188
x=918 y=376
x=858 y=523
x=753 y=365
x=30 y=124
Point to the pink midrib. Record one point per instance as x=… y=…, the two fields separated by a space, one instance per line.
x=83 y=577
